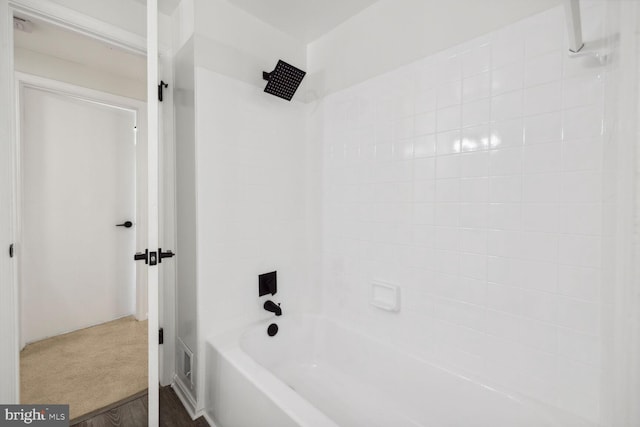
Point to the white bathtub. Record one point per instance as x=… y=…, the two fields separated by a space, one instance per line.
x=318 y=373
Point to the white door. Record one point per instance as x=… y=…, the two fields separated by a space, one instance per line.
x=153 y=208
x=78 y=172
x=9 y=360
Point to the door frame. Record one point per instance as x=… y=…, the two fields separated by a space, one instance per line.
x=75 y=21
x=139 y=108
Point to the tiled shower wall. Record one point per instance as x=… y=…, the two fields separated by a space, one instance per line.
x=472 y=179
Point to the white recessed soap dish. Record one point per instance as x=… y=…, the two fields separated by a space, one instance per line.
x=385 y=296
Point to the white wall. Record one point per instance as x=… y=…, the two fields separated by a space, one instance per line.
x=392 y=33
x=472 y=179
x=129 y=15
x=620 y=297
x=187 y=257
x=38 y=64
x=252 y=190
x=226 y=50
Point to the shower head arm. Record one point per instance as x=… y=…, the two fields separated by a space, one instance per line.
x=266 y=76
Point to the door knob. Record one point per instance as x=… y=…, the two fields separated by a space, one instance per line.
x=127 y=224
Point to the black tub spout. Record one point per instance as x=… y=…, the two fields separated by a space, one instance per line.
x=273 y=307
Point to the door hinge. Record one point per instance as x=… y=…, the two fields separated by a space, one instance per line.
x=161 y=336
x=11 y=250
x=161 y=87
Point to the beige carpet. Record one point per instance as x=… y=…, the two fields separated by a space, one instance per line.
x=88 y=369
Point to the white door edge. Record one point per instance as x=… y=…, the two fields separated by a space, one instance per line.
x=153 y=208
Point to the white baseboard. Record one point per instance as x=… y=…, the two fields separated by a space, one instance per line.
x=185 y=397
x=209 y=420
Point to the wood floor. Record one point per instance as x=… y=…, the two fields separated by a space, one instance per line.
x=134 y=413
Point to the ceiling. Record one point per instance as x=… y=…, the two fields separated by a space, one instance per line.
x=165 y=6
x=55 y=41
x=305 y=20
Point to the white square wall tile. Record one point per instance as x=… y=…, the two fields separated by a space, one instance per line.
x=449 y=118
x=423 y=213
x=403 y=149
x=505 y=161
x=583 y=90
x=475 y=138
x=449 y=93
x=424 y=169
x=581 y=218
x=543 y=68
x=506 y=106
x=543 y=128
x=582 y=123
x=473 y=266
x=448 y=166
x=507 y=299
x=476 y=87
x=543 y=187
x=582 y=155
x=539 y=335
x=424 y=146
x=474 y=164
x=539 y=275
x=541 y=158
x=578 y=346
x=540 y=306
x=583 y=251
x=541 y=217
x=425 y=101
x=473 y=215
x=580 y=316
x=403 y=106
x=448 y=142
x=403 y=128
x=476 y=61
x=447 y=262
x=448 y=190
x=505 y=216
x=472 y=291
x=447 y=214
x=474 y=189
x=503 y=325
x=507 y=133
x=504 y=243
x=502 y=270
x=473 y=240
x=447 y=238
x=543 y=98
x=449 y=68
x=537 y=246
x=581 y=186
x=476 y=113
x=424 y=191
x=505 y=188
x=425 y=123
x=579 y=282
x=507 y=78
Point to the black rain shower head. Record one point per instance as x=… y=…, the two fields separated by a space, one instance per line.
x=284 y=80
